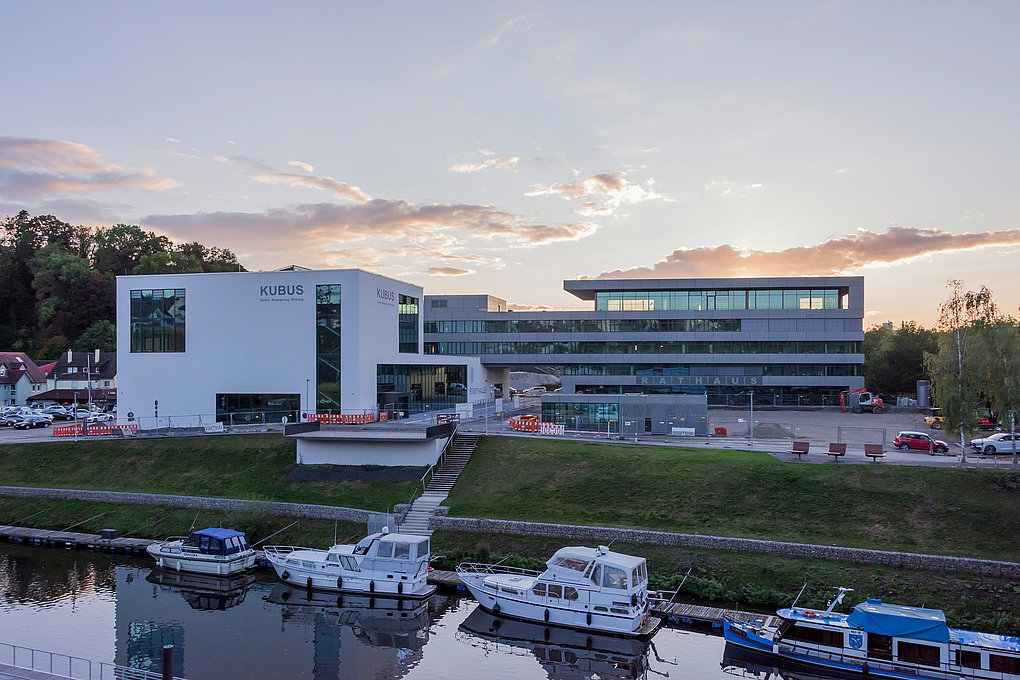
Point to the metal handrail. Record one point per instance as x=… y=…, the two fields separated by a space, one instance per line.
x=67 y=666
x=480 y=568
x=431 y=471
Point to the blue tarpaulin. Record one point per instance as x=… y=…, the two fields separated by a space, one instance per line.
x=219 y=533
x=899 y=621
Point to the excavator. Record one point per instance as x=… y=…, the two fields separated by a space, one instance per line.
x=861 y=400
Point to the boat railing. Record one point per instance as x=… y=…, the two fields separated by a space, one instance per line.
x=943 y=670
x=479 y=568
x=286 y=549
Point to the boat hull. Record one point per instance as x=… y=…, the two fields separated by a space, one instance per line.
x=641 y=626
x=336 y=580
x=209 y=565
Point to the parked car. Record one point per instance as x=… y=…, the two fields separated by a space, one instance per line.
x=58 y=413
x=919 y=441
x=10 y=419
x=99 y=418
x=1000 y=442
x=30 y=422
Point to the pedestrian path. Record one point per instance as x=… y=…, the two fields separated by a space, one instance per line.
x=443 y=479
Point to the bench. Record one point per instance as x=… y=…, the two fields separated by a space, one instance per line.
x=836 y=450
x=800 y=448
x=874 y=452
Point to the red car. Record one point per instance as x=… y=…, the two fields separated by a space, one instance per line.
x=920 y=441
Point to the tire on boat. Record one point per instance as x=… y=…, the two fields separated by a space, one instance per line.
x=308 y=584
x=339 y=582
x=371 y=586
x=495 y=608
x=285 y=575
x=547 y=616
x=400 y=588
x=588 y=619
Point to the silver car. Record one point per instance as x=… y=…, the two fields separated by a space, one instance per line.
x=1000 y=442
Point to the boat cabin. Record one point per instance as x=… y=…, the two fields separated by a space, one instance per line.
x=390 y=546
x=217 y=541
x=597 y=567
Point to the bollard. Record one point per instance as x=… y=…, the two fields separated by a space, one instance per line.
x=168 y=662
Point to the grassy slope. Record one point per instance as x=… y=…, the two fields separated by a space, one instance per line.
x=249 y=467
x=916 y=509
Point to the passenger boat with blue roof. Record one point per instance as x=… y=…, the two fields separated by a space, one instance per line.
x=879 y=640
x=592 y=589
x=219 y=552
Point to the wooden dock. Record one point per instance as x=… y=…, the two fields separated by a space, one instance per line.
x=445 y=579
x=73 y=539
x=683 y=613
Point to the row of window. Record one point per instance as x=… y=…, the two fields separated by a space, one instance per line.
x=327 y=347
x=407 y=324
x=600 y=370
x=585 y=326
x=157 y=320
x=678 y=347
x=684 y=300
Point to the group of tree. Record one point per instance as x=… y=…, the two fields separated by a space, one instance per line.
x=894 y=357
x=58 y=281
x=976 y=365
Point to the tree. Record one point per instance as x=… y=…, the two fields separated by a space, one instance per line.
x=894 y=358
x=998 y=364
x=101 y=335
x=955 y=371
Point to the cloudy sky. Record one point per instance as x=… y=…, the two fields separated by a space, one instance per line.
x=504 y=147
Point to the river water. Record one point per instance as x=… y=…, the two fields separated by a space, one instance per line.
x=120 y=609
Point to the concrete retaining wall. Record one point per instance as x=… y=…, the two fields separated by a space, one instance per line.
x=601 y=535
x=192 y=502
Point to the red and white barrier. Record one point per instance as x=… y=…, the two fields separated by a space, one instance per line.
x=93 y=430
x=342 y=418
x=526 y=424
x=550 y=428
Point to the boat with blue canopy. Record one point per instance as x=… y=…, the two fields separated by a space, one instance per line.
x=216 y=551
x=879 y=640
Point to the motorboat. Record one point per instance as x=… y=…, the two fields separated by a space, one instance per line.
x=879 y=640
x=563 y=652
x=219 y=552
x=381 y=563
x=592 y=589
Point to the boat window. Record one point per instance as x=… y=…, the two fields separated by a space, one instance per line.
x=619 y=611
x=574 y=563
x=587 y=572
x=817 y=636
x=539 y=589
x=423 y=549
x=569 y=593
x=349 y=563
x=555 y=590
x=644 y=571
x=614 y=577
x=596 y=575
x=385 y=549
x=402 y=551
x=879 y=646
x=1003 y=664
x=967 y=658
x=506 y=589
x=204 y=543
x=601 y=609
x=332 y=558
x=912 y=652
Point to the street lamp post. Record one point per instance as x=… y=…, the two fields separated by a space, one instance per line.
x=308 y=387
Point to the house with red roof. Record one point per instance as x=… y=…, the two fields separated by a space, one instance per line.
x=20 y=379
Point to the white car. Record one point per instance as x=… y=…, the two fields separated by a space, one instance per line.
x=1000 y=442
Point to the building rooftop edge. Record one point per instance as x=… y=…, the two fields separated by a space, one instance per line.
x=585 y=289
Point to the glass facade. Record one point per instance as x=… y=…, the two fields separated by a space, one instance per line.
x=732 y=395
x=416 y=388
x=700 y=300
x=601 y=369
x=591 y=416
x=586 y=326
x=240 y=409
x=691 y=347
x=157 y=320
x=407 y=326
x=327 y=348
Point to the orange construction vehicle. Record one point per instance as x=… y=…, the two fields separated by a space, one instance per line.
x=860 y=400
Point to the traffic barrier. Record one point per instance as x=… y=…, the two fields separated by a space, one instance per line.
x=532 y=424
x=93 y=430
x=342 y=418
x=66 y=430
x=550 y=428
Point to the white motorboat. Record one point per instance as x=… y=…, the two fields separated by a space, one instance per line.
x=218 y=552
x=584 y=588
x=382 y=563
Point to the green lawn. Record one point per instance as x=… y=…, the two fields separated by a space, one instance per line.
x=974 y=513
x=248 y=467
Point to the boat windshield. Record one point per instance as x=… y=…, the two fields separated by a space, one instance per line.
x=574 y=563
x=614 y=577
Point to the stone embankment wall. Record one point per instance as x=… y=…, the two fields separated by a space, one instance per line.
x=602 y=535
x=193 y=502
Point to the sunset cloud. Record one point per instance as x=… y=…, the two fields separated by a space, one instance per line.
x=834 y=256
x=339 y=189
x=505 y=164
x=599 y=194
x=301 y=165
x=32 y=168
x=448 y=271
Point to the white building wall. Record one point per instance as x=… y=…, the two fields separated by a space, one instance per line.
x=254 y=333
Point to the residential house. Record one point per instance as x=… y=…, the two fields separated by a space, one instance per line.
x=20 y=379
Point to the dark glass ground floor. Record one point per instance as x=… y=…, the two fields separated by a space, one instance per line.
x=732 y=395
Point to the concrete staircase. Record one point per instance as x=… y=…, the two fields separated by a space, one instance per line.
x=443 y=479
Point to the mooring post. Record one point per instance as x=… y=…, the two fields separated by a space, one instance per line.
x=168 y=662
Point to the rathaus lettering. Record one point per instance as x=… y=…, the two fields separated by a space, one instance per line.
x=700 y=380
x=282 y=290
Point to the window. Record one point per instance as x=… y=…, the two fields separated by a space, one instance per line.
x=422 y=549
x=333 y=558
x=157 y=320
x=880 y=646
x=912 y=652
x=967 y=658
x=327 y=348
x=349 y=563
x=385 y=549
x=614 y=577
x=816 y=636
x=555 y=590
x=569 y=593
x=1003 y=664
x=574 y=563
x=402 y=551
x=596 y=575
x=242 y=409
x=539 y=589
x=407 y=324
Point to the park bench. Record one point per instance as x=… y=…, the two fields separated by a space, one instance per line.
x=874 y=452
x=800 y=448
x=836 y=450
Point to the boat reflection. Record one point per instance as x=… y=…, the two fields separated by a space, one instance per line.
x=379 y=621
x=746 y=663
x=204 y=592
x=562 y=653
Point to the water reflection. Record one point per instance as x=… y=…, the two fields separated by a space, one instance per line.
x=746 y=663
x=204 y=591
x=563 y=654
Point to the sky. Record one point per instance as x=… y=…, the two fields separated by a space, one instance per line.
x=504 y=147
